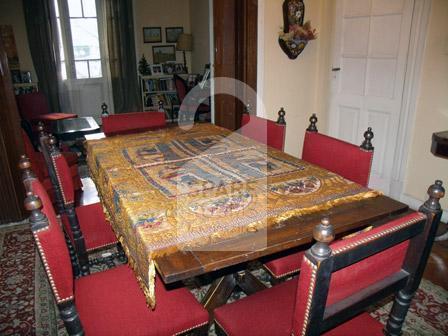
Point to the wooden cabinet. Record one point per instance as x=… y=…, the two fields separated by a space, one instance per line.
x=11 y=147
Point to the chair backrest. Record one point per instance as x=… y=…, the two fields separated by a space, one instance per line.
x=181 y=87
x=340 y=280
x=351 y=162
x=124 y=123
x=265 y=131
x=32 y=105
x=49 y=240
x=33 y=156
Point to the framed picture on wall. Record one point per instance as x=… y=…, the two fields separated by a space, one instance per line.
x=163 y=54
x=152 y=34
x=172 y=34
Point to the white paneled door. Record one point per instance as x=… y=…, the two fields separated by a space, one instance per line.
x=369 y=63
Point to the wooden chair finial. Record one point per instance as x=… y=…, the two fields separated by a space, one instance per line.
x=40 y=128
x=435 y=193
x=281 y=117
x=323 y=233
x=367 y=143
x=33 y=203
x=313 y=121
x=25 y=167
x=104 y=112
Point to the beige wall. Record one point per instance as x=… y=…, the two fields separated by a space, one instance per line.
x=300 y=85
x=11 y=13
x=199 y=19
x=432 y=108
x=160 y=13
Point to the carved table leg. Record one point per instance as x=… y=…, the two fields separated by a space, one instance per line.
x=248 y=282
x=219 y=292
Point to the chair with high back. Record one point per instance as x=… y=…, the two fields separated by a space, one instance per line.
x=338 y=282
x=132 y=122
x=343 y=158
x=85 y=225
x=110 y=302
x=340 y=157
x=265 y=131
x=33 y=107
x=181 y=89
x=38 y=160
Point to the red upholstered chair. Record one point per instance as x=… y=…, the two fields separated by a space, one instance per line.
x=265 y=131
x=340 y=157
x=33 y=107
x=41 y=169
x=109 y=302
x=133 y=122
x=339 y=281
x=85 y=225
x=181 y=89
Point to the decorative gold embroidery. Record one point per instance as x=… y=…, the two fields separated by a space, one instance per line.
x=310 y=294
x=162 y=195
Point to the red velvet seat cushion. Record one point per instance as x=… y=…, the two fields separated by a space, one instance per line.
x=284 y=266
x=262 y=130
x=95 y=228
x=112 y=303
x=34 y=107
x=268 y=312
x=338 y=156
x=132 y=122
x=56 y=116
x=271 y=312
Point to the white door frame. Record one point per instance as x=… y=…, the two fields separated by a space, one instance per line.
x=419 y=28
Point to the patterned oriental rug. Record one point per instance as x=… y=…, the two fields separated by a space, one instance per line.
x=27 y=306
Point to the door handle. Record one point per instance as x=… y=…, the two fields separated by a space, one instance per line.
x=335 y=69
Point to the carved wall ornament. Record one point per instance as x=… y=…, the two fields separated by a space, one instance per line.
x=296 y=34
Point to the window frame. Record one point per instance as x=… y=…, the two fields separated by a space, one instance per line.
x=67 y=41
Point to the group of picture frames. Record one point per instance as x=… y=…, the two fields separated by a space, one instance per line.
x=154 y=34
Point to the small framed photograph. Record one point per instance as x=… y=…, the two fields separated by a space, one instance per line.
x=180 y=68
x=169 y=68
x=163 y=53
x=152 y=34
x=172 y=34
x=157 y=69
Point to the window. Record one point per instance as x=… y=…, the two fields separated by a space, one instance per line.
x=79 y=45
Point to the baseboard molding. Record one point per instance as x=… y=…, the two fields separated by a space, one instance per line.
x=416 y=203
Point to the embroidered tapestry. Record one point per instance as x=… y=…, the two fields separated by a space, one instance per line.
x=172 y=189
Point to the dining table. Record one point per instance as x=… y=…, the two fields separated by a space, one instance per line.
x=186 y=202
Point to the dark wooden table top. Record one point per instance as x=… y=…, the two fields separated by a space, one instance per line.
x=296 y=231
x=76 y=125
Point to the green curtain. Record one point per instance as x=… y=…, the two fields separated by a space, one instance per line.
x=122 y=59
x=42 y=36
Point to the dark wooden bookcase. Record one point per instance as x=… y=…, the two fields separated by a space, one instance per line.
x=11 y=147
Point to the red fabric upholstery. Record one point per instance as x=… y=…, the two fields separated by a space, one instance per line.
x=40 y=167
x=63 y=175
x=283 y=308
x=53 y=249
x=284 y=266
x=112 y=303
x=95 y=228
x=271 y=312
x=181 y=87
x=338 y=156
x=262 y=130
x=132 y=122
x=57 y=116
x=34 y=107
x=357 y=276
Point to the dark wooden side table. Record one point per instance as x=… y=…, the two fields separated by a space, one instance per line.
x=75 y=128
x=439 y=147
